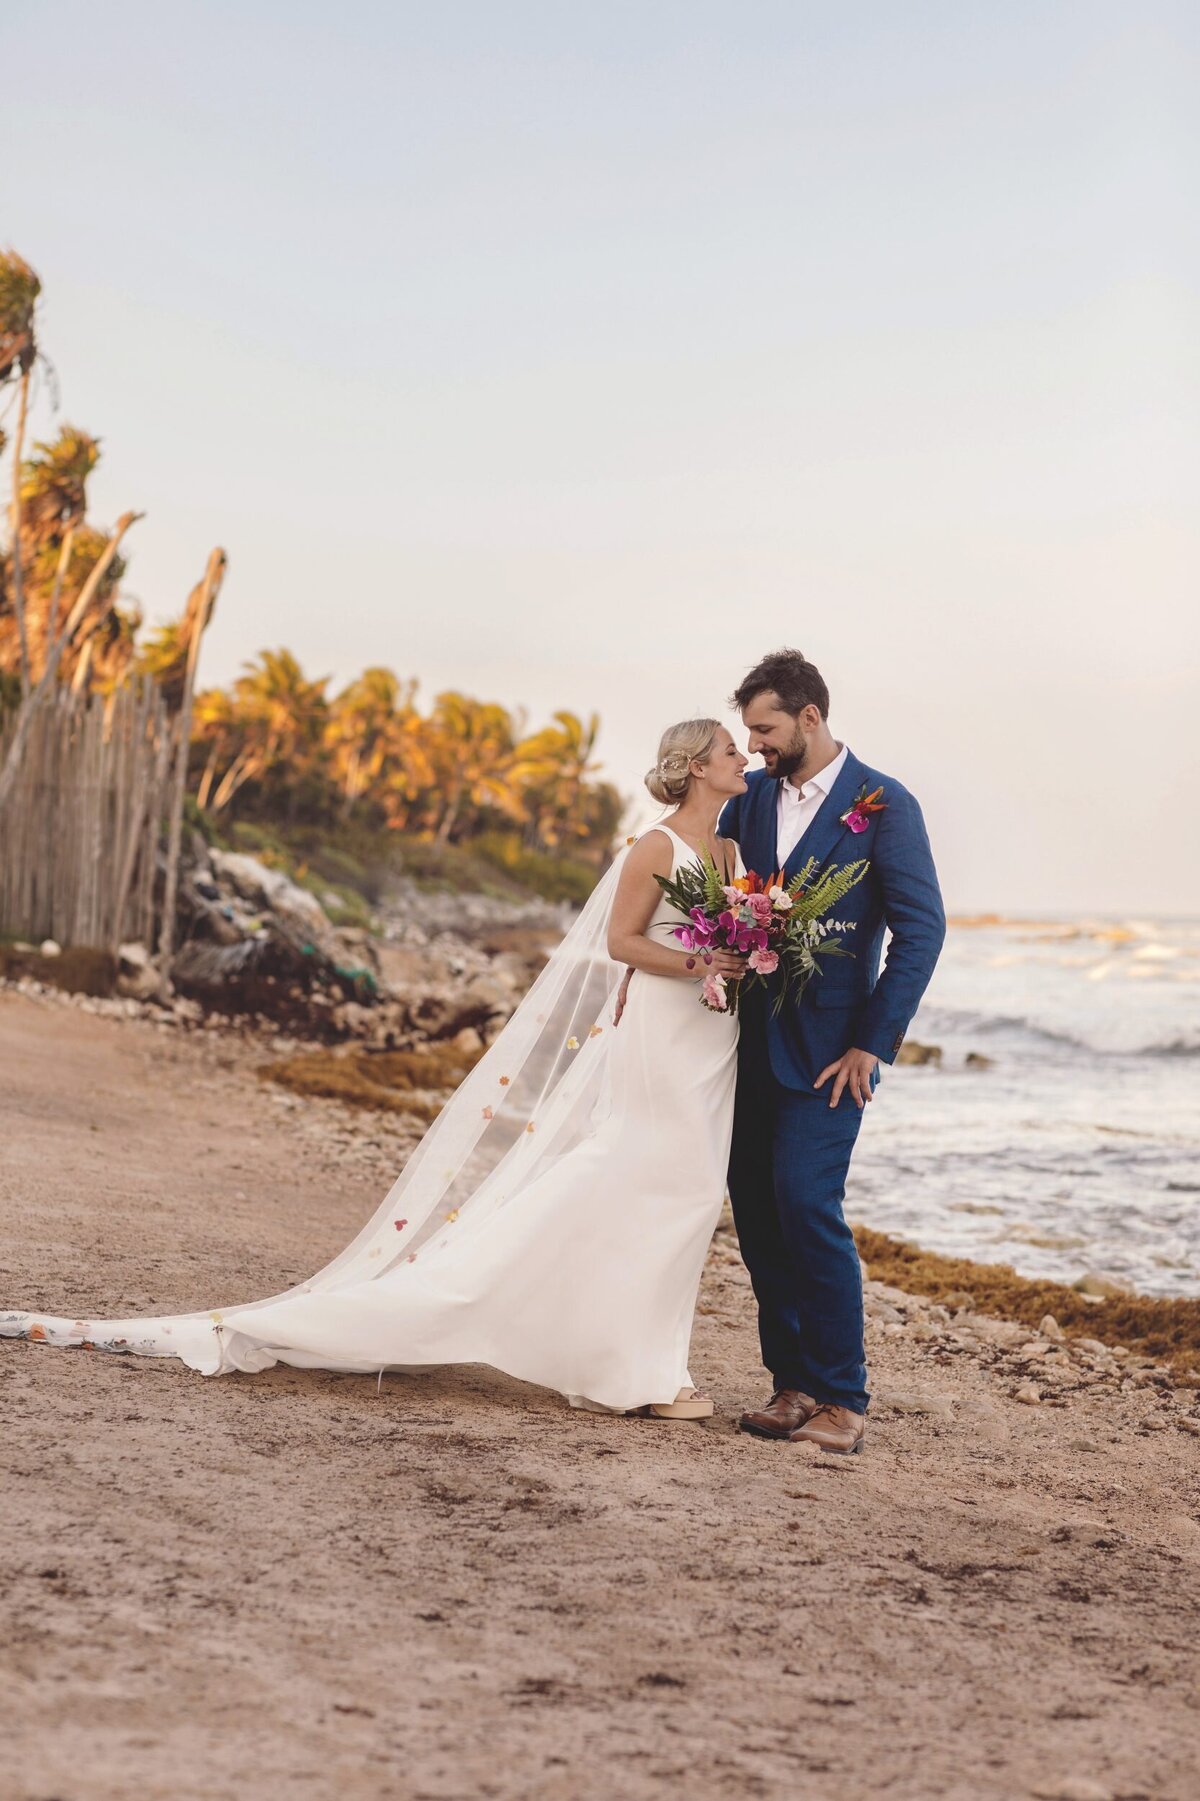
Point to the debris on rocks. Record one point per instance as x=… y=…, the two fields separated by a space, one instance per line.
x=259 y=952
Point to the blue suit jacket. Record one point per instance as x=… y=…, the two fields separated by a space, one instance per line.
x=849 y=1003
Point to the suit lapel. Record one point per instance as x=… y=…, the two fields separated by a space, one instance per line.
x=768 y=828
x=821 y=839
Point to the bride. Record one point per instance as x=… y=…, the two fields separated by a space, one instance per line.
x=554 y=1220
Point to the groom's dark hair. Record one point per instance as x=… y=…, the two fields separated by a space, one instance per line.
x=789 y=674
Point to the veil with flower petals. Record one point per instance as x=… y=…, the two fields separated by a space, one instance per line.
x=537 y=1091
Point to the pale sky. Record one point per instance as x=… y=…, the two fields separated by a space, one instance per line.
x=574 y=354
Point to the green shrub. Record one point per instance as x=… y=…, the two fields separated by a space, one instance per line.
x=550 y=876
x=357 y=862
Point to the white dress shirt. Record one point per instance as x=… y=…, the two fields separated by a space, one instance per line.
x=796 y=808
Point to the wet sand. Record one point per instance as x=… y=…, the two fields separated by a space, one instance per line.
x=297 y=1586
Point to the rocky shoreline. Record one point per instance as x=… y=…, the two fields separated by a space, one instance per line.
x=260 y=955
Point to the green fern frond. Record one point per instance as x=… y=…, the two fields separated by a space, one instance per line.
x=805 y=876
x=832 y=887
x=714 y=881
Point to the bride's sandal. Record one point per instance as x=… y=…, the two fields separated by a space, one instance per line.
x=687 y=1405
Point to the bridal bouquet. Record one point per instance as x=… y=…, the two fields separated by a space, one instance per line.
x=776 y=926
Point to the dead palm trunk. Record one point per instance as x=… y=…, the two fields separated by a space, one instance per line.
x=243 y=769
x=201 y=602
x=18 y=577
x=208 y=778
x=449 y=818
x=64 y=559
x=83 y=667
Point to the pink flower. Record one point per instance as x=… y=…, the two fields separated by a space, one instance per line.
x=714 y=995
x=733 y=896
x=858 y=822
x=764 y=961
x=760 y=906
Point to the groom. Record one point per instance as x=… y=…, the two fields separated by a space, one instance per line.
x=806 y=1074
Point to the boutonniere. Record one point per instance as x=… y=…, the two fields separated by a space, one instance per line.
x=858 y=815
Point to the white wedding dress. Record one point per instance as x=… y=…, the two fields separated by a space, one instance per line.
x=553 y=1222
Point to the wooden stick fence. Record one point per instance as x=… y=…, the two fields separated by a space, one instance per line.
x=81 y=827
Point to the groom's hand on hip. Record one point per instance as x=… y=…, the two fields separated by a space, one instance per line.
x=854 y=1071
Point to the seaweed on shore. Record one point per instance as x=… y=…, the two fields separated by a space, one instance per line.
x=1151 y=1327
x=76 y=970
x=409 y=1082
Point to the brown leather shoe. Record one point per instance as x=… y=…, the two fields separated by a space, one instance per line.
x=836 y=1429
x=786 y=1410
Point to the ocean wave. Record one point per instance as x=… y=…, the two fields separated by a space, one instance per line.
x=1113 y=1043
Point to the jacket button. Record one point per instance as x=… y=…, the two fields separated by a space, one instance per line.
x=897 y=1044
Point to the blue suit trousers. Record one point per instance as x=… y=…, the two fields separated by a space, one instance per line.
x=787 y=1182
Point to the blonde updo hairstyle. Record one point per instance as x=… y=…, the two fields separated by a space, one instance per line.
x=691 y=741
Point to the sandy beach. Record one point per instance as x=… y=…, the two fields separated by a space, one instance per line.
x=451 y=1586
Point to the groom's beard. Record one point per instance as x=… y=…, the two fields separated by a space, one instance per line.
x=787 y=762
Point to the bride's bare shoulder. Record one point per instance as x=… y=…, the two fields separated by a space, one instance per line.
x=652 y=852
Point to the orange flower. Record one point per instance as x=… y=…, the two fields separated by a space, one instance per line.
x=504 y=1081
x=37 y=1331
x=750 y=883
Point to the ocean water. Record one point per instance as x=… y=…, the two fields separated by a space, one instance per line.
x=1077 y=1148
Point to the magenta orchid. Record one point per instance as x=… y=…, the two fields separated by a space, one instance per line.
x=699 y=935
x=742 y=934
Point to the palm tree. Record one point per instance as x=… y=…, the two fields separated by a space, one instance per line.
x=19 y=290
x=473 y=748
x=53 y=493
x=361 y=729
x=215 y=730
x=552 y=770
x=410 y=789
x=466 y=768
x=109 y=652
x=76 y=562
x=274 y=724
x=163 y=657
x=59 y=553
